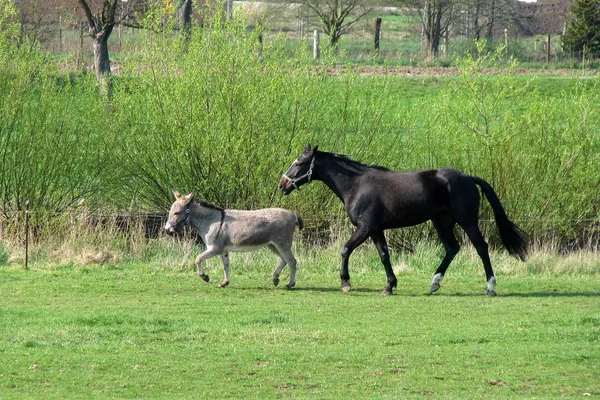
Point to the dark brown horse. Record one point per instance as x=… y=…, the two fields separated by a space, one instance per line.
x=377 y=199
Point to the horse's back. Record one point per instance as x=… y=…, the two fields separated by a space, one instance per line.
x=413 y=197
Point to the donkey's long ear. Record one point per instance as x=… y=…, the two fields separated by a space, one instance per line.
x=187 y=198
x=176 y=194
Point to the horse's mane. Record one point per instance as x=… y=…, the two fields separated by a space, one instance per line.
x=208 y=204
x=357 y=165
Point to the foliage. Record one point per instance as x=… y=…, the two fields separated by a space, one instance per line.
x=582 y=34
x=224 y=115
x=9 y=27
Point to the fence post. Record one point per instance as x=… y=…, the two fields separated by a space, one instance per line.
x=60 y=34
x=377 y=34
x=80 y=54
x=27 y=235
x=316 y=52
x=548 y=49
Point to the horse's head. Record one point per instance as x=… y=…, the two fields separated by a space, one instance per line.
x=300 y=172
x=179 y=213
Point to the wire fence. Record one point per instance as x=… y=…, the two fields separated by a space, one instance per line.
x=80 y=229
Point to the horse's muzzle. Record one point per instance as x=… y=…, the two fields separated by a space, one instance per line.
x=285 y=185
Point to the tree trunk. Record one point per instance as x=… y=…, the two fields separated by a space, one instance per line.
x=184 y=16
x=102 y=63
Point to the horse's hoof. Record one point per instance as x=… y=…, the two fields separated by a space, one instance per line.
x=387 y=292
x=490 y=292
x=290 y=285
x=346 y=287
x=205 y=277
x=223 y=284
x=275 y=281
x=434 y=287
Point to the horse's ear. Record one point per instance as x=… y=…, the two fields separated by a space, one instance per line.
x=315 y=148
x=307 y=148
x=176 y=194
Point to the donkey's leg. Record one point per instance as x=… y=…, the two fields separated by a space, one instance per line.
x=444 y=225
x=205 y=255
x=280 y=266
x=288 y=257
x=482 y=249
x=382 y=248
x=360 y=234
x=225 y=260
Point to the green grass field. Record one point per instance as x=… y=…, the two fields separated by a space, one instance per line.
x=154 y=330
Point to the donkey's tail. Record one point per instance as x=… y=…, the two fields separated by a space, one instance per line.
x=299 y=221
x=511 y=235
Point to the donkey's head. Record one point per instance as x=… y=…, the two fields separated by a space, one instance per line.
x=300 y=172
x=180 y=212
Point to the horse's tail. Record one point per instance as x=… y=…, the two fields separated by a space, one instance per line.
x=513 y=238
x=299 y=221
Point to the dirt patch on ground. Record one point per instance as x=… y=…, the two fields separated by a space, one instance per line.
x=450 y=71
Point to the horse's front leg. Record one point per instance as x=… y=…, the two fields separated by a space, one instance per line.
x=382 y=248
x=205 y=255
x=358 y=237
x=225 y=260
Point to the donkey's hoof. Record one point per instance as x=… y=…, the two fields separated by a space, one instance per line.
x=275 y=281
x=205 y=277
x=490 y=292
x=434 y=287
x=223 y=284
x=290 y=285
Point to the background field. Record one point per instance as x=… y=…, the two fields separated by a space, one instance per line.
x=112 y=309
x=154 y=330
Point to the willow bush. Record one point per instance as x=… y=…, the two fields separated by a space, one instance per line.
x=224 y=115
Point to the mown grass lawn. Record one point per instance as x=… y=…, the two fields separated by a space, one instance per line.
x=132 y=330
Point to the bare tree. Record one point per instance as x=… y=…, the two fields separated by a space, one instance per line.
x=337 y=16
x=101 y=25
x=436 y=17
x=38 y=23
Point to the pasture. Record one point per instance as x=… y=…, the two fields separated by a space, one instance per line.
x=153 y=329
x=224 y=117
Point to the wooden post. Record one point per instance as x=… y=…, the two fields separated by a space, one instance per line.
x=80 y=57
x=229 y=9
x=316 y=52
x=27 y=235
x=60 y=34
x=548 y=49
x=377 y=37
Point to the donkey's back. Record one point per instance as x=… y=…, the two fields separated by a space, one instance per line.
x=247 y=230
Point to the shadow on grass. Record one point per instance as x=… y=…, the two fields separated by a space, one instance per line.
x=520 y=294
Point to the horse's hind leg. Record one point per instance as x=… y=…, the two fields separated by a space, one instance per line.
x=382 y=248
x=226 y=272
x=444 y=225
x=482 y=249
